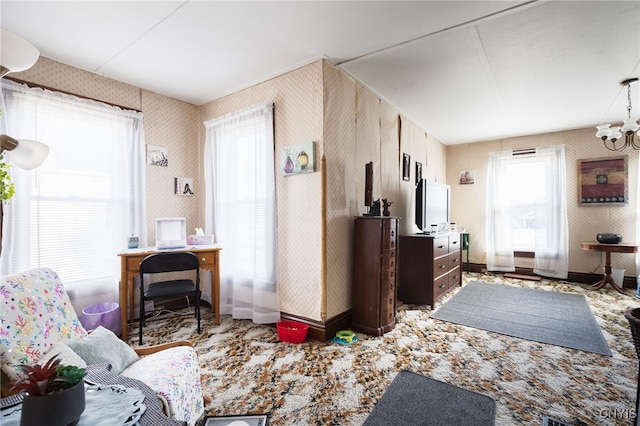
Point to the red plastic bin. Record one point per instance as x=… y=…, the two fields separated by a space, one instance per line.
x=291 y=331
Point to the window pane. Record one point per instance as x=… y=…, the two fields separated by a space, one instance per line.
x=527 y=191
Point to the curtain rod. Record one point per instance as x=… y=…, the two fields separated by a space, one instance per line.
x=524 y=151
x=70 y=93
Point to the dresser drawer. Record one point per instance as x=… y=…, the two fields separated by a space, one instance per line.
x=440 y=246
x=454 y=242
x=454 y=259
x=440 y=286
x=389 y=235
x=388 y=259
x=388 y=274
x=440 y=266
x=454 y=277
x=207 y=260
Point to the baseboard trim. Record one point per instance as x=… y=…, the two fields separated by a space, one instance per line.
x=319 y=331
x=574 y=277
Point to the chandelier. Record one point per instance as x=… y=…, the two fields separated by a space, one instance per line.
x=610 y=135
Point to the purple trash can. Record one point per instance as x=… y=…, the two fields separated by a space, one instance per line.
x=106 y=314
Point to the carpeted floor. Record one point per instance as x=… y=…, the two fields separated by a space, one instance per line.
x=247 y=370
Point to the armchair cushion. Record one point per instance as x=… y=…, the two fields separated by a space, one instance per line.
x=102 y=346
x=35 y=312
x=66 y=355
x=181 y=395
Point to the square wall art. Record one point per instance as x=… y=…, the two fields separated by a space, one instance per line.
x=157 y=156
x=183 y=186
x=297 y=159
x=603 y=181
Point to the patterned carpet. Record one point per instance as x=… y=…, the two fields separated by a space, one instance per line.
x=247 y=370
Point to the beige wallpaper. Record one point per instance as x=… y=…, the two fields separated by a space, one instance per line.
x=297 y=97
x=468 y=201
x=424 y=149
x=344 y=177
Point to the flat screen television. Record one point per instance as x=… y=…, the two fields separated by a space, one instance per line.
x=171 y=232
x=433 y=205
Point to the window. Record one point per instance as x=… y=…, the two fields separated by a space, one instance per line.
x=527 y=191
x=527 y=210
x=240 y=209
x=74 y=212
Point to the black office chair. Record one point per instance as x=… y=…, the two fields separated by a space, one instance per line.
x=158 y=263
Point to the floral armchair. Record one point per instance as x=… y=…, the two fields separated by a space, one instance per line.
x=38 y=322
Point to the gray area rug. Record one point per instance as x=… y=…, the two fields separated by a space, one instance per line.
x=413 y=399
x=551 y=317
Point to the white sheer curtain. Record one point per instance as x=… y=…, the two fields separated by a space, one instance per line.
x=499 y=212
x=240 y=211
x=73 y=213
x=527 y=210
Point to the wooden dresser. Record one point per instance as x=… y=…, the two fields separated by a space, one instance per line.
x=373 y=297
x=428 y=267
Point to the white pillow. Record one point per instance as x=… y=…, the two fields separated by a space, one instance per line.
x=102 y=346
x=67 y=356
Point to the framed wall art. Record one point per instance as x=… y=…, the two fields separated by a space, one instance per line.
x=418 y=172
x=183 y=186
x=603 y=181
x=467 y=177
x=406 y=166
x=157 y=156
x=297 y=159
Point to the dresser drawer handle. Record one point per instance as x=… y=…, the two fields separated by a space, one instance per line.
x=204 y=259
x=441 y=246
x=455 y=260
x=441 y=285
x=441 y=266
x=454 y=242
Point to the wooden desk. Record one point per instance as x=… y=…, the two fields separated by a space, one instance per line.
x=209 y=256
x=608 y=249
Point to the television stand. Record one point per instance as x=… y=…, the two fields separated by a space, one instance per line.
x=429 y=266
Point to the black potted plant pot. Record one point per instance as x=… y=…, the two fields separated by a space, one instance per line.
x=59 y=409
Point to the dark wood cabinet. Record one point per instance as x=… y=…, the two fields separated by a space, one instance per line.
x=428 y=267
x=373 y=297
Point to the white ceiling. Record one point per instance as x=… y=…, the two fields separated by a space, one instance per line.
x=464 y=71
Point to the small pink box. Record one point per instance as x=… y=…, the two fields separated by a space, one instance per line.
x=198 y=240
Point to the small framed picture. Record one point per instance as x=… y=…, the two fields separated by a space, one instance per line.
x=467 y=177
x=183 y=186
x=157 y=156
x=406 y=166
x=418 y=172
